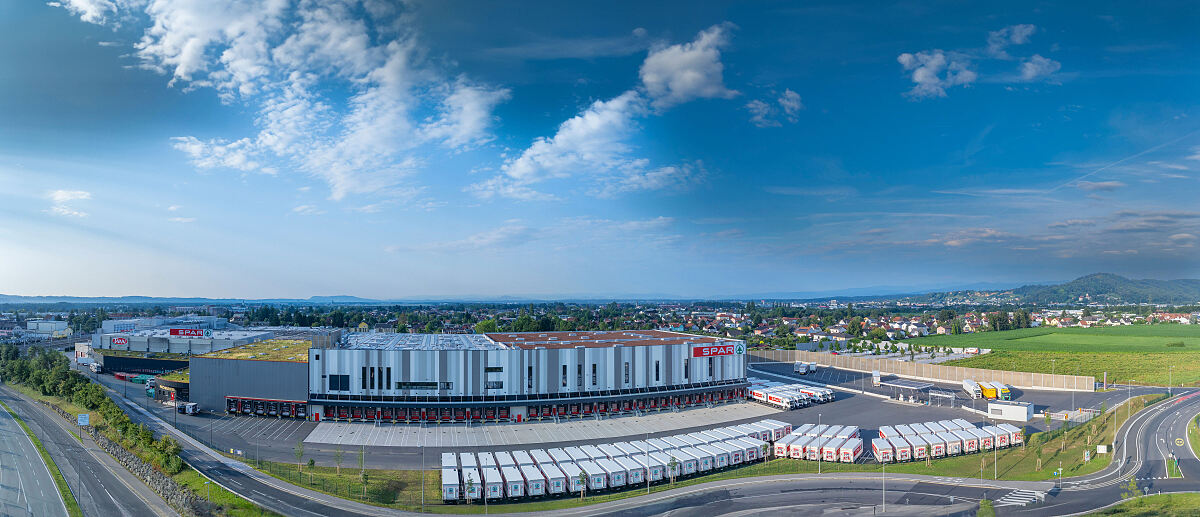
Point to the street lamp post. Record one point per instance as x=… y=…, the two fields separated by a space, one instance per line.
x=1170 y=379
x=819 y=452
x=885 y=487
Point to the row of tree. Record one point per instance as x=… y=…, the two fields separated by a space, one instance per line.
x=49 y=373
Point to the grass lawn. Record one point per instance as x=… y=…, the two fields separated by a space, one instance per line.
x=64 y=491
x=1156 y=505
x=1193 y=435
x=401 y=489
x=1138 y=352
x=230 y=503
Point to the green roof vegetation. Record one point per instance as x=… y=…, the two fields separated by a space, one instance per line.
x=294 y=350
x=138 y=353
x=181 y=375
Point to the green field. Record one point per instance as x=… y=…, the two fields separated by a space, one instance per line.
x=1143 y=353
x=1156 y=505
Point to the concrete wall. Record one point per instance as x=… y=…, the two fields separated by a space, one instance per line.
x=212 y=379
x=930 y=372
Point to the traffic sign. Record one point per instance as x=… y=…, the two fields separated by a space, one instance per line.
x=83 y=419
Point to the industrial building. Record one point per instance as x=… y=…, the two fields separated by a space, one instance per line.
x=479 y=377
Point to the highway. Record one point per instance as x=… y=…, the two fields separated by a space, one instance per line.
x=26 y=487
x=102 y=486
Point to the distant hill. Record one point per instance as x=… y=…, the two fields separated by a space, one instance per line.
x=1110 y=288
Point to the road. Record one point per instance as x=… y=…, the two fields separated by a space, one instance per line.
x=102 y=486
x=26 y=487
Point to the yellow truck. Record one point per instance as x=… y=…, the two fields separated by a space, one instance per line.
x=989 y=391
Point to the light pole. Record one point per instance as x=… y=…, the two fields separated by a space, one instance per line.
x=1170 y=379
x=1052 y=366
x=820 y=453
x=885 y=487
x=647 y=451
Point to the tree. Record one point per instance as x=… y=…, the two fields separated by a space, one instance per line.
x=338 y=456
x=470 y=488
x=299 y=452
x=487 y=326
x=362 y=453
x=583 y=479
x=1131 y=489
x=672 y=467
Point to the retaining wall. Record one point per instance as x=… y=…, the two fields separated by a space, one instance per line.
x=930 y=372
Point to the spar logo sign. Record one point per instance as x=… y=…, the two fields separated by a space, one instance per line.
x=715 y=350
x=120 y=341
x=191 y=332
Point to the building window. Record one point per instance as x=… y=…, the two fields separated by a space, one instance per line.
x=710 y=367
x=564 y=376
x=447 y=385
x=626 y=372
x=372 y=383
x=579 y=375
x=364 y=377
x=495 y=385
x=685 y=368
x=593 y=374
x=339 y=383
x=657 y=378
x=389 y=376
x=318 y=357
x=417 y=385
x=529 y=379
x=493 y=369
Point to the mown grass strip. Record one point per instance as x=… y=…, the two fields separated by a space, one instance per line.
x=68 y=498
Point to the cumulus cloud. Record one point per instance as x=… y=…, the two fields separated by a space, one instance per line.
x=1099 y=186
x=290 y=62
x=503 y=237
x=62 y=201
x=182 y=220
x=933 y=71
x=595 y=145
x=790 y=102
x=763 y=114
x=760 y=113
x=683 y=72
x=307 y=210
x=1038 y=67
x=998 y=41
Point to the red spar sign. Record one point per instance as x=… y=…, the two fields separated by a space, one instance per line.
x=712 y=350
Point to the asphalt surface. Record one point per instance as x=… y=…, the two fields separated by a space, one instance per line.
x=26 y=487
x=102 y=488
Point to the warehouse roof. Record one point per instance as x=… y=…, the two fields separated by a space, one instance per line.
x=600 y=338
x=294 y=350
x=405 y=341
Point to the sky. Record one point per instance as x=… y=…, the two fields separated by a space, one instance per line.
x=394 y=150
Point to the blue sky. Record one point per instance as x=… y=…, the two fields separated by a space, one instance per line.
x=389 y=150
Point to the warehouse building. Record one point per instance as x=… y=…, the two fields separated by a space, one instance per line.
x=472 y=377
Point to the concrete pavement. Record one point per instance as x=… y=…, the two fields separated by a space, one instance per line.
x=26 y=487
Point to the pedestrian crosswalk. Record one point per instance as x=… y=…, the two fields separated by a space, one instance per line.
x=1018 y=498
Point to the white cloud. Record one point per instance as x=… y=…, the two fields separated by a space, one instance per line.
x=91 y=11
x=307 y=210
x=679 y=73
x=182 y=220
x=507 y=236
x=999 y=41
x=292 y=62
x=173 y=208
x=62 y=200
x=1195 y=155
x=1038 y=67
x=933 y=71
x=760 y=113
x=595 y=144
x=1099 y=186
x=679 y=177
x=790 y=101
x=466 y=115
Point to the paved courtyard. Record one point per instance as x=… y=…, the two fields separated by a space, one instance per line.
x=541 y=433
